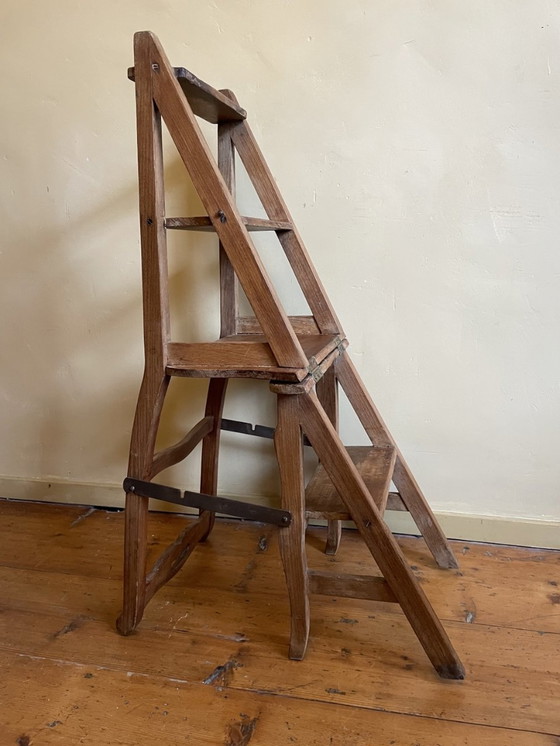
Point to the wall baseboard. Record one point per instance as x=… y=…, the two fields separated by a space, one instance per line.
x=529 y=532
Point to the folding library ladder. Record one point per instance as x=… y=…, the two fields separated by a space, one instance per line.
x=304 y=359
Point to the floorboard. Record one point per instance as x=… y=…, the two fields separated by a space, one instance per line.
x=77 y=704
x=209 y=663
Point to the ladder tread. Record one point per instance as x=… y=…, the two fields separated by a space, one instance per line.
x=375 y=466
x=204 y=223
x=245 y=356
x=205 y=101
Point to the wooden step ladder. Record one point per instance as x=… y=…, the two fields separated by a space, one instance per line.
x=303 y=357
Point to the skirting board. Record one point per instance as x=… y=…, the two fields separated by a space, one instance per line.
x=527 y=532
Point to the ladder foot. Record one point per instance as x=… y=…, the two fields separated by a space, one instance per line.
x=211 y=522
x=334 y=535
x=453 y=670
x=446 y=559
x=299 y=633
x=297 y=652
x=124 y=627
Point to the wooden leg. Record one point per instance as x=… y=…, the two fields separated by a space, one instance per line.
x=379 y=539
x=289 y=450
x=408 y=488
x=334 y=535
x=211 y=444
x=144 y=431
x=327 y=391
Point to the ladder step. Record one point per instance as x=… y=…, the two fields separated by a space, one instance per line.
x=203 y=223
x=300 y=325
x=206 y=102
x=375 y=466
x=245 y=356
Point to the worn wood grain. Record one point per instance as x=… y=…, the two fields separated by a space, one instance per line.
x=203 y=223
x=497 y=586
x=375 y=466
x=227 y=624
x=300 y=324
x=353 y=656
x=510 y=587
x=350 y=586
x=73 y=703
x=176 y=554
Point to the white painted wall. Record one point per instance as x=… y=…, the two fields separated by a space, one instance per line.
x=418 y=147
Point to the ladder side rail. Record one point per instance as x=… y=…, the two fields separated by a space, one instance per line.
x=153 y=239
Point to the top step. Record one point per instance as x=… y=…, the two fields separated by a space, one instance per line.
x=205 y=101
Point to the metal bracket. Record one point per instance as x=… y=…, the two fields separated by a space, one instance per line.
x=245 y=428
x=235 y=508
x=234 y=426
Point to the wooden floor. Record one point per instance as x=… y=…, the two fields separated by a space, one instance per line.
x=209 y=663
